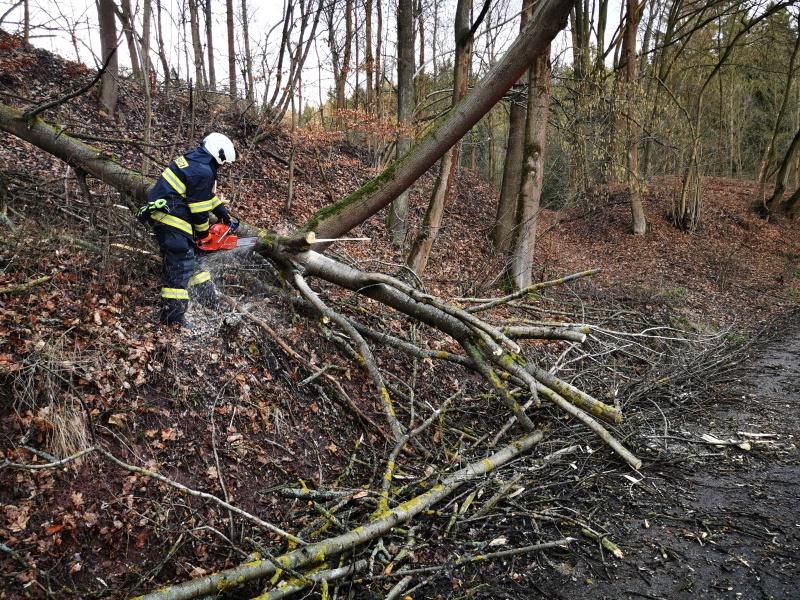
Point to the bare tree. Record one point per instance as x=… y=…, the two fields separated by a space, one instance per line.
x=398 y=213
x=429 y=230
x=523 y=240
x=231 y=49
x=197 y=47
x=369 y=58
x=248 y=57
x=109 y=84
x=162 y=54
x=344 y=69
x=295 y=48
x=125 y=16
x=769 y=151
x=288 y=23
x=299 y=53
x=638 y=219
x=512 y=169
x=212 y=75
x=26 y=22
x=148 y=99
x=378 y=56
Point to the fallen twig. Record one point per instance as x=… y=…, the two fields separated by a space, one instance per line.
x=525 y=291
x=24 y=287
x=366 y=356
x=293 y=354
x=464 y=560
x=321 y=551
x=179 y=486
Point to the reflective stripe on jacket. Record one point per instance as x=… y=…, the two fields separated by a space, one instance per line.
x=188 y=185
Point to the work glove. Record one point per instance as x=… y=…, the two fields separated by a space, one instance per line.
x=200 y=236
x=231 y=221
x=143 y=214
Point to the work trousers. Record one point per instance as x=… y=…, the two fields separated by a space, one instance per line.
x=182 y=271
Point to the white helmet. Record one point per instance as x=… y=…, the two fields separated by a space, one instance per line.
x=220 y=147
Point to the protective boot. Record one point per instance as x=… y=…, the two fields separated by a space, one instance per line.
x=173 y=313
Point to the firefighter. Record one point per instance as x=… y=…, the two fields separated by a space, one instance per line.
x=178 y=209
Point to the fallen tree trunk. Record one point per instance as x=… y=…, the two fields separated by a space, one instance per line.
x=75 y=153
x=321 y=551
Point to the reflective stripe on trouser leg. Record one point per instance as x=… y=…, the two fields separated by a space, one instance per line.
x=174 y=302
x=174 y=293
x=199 y=277
x=178 y=268
x=202 y=290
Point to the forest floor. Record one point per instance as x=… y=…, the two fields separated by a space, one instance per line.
x=695 y=335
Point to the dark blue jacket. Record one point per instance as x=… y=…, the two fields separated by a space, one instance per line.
x=189 y=186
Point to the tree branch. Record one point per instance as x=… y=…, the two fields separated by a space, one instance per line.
x=322 y=551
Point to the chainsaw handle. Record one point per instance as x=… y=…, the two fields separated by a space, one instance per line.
x=205 y=243
x=220 y=237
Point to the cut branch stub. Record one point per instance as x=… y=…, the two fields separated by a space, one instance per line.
x=311 y=238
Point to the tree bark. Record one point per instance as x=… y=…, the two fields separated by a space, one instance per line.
x=231 y=49
x=369 y=58
x=212 y=73
x=432 y=221
x=148 y=92
x=378 y=50
x=512 y=169
x=109 y=86
x=194 y=25
x=26 y=22
x=418 y=8
x=530 y=190
x=793 y=203
x=248 y=56
x=398 y=213
x=638 y=220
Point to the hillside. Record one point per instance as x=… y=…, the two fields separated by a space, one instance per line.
x=244 y=414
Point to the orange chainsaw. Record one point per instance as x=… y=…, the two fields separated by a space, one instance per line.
x=221 y=237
